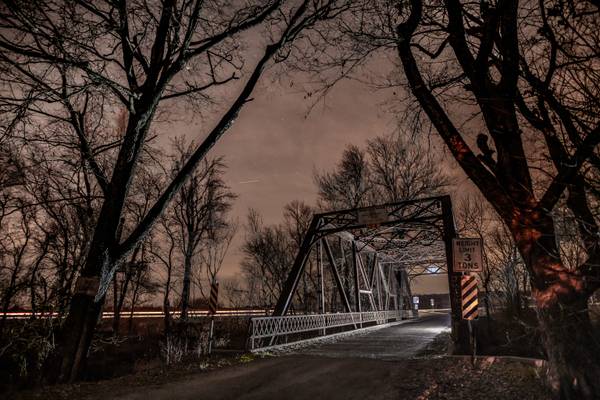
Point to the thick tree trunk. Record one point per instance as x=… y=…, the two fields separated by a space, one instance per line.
x=76 y=333
x=572 y=348
x=561 y=296
x=74 y=340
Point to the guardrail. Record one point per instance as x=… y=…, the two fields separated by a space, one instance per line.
x=273 y=327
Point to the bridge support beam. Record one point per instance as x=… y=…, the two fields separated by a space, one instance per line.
x=356 y=280
x=336 y=275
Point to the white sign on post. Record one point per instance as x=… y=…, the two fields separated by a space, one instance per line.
x=467 y=254
x=416 y=299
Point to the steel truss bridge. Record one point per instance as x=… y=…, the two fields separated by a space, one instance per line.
x=381 y=248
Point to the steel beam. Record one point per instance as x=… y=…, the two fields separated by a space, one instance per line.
x=336 y=275
x=356 y=281
x=285 y=298
x=320 y=278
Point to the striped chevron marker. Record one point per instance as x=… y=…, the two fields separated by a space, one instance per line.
x=212 y=301
x=468 y=286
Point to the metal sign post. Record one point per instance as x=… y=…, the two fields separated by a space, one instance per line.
x=212 y=310
x=460 y=330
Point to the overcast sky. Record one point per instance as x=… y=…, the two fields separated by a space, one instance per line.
x=276 y=144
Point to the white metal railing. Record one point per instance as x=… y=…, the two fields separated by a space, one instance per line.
x=271 y=327
x=148 y=313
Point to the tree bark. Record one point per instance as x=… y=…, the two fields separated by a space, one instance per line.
x=66 y=362
x=185 y=291
x=120 y=294
x=134 y=298
x=166 y=302
x=572 y=348
x=75 y=336
x=561 y=296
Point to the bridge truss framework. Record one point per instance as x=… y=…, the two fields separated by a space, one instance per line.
x=400 y=240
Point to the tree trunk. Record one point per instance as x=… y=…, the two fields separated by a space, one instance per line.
x=185 y=292
x=166 y=303
x=76 y=333
x=115 y=305
x=134 y=299
x=561 y=298
x=66 y=362
x=75 y=336
x=9 y=293
x=572 y=348
x=121 y=294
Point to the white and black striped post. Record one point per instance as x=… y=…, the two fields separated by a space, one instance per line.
x=469 y=307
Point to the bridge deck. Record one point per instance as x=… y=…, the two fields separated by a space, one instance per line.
x=396 y=342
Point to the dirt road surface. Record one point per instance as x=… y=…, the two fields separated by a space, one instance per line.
x=365 y=366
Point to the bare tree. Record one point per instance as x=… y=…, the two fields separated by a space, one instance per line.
x=199 y=212
x=297 y=216
x=163 y=247
x=391 y=169
x=14 y=252
x=511 y=278
x=61 y=57
x=213 y=253
x=143 y=193
x=402 y=168
x=268 y=255
x=143 y=284
x=236 y=295
x=348 y=186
